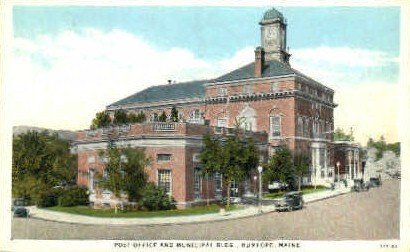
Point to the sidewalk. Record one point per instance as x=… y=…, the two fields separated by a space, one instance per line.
x=247 y=212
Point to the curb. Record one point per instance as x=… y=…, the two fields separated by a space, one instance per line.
x=215 y=218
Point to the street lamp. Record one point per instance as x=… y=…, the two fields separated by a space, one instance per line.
x=338 y=171
x=254 y=179
x=260 y=188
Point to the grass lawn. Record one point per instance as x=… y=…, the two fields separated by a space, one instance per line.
x=109 y=213
x=305 y=190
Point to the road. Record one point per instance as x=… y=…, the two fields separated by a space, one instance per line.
x=354 y=216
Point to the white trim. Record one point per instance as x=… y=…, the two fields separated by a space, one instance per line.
x=151 y=105
x=209 y=84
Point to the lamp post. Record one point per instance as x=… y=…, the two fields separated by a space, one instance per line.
x=260 y=188
x=254 y=189
x=338 y=171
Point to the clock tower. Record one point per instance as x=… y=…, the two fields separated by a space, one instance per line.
x=273 y=36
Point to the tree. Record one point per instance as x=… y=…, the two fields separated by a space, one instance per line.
x=233 y=158
x=280 y=167
x=162 y=117
x=124 y=172
x=114 y=178
x=40 y=162
x=102 y=119
x=120 y=117
x=340 y=135
x=174 y=114
x=301 y=165
x=134 y=118
x=381 y=146
x=141 y=117
x=135 y=176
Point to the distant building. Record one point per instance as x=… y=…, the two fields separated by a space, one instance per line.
x=267 y=96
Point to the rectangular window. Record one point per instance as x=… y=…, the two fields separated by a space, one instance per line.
x=164 y=157
x=91 y=181
x=221 y=123
x=222 y=91
x=91 y=159
x=164 y=180
x=274 y=87
x=197 y=183
x=275 y=126
x=247 y=89
x=300 y=126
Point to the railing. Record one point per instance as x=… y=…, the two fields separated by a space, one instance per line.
x=163 y=126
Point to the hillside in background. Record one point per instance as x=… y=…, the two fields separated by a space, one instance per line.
x=63 y=134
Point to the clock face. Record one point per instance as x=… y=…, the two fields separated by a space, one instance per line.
x=271 y=33
x=271 y=36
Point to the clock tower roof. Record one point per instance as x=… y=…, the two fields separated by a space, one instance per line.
x=272 y=15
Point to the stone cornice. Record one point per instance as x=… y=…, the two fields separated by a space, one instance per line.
x=267 y=96
x=128 y=138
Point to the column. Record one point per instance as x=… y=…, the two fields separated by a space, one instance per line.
x=318 y=167
x=326 y=167
x=350 y=164
x=354 y=164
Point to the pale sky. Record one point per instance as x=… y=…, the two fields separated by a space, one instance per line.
x=70 y=62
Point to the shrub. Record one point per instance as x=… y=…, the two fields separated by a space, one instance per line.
x=156 y=199
x=49 y=198
x=73 y=197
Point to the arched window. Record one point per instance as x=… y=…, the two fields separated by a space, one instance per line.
x=154 y=117
x=247 y=118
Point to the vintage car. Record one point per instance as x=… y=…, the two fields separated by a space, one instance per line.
x=21 y=212
x=289 y=202
x=375 y=182
x=359 y=186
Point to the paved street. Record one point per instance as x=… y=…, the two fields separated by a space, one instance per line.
x=367 y=215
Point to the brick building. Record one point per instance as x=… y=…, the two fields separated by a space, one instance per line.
x=267 y=96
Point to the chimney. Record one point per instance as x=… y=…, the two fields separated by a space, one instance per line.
x=259 y=61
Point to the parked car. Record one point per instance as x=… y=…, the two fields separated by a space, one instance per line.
x=375 y=182
x=290 y=202
x=233 y=200
x=359 y=186
x=21 y=212
x=19 y=202
x=276 y=185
